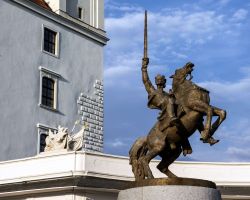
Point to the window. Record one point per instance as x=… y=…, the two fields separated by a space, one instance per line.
x=48 y=92
x=48 y=88
x=43 y=131
x=79 y=12
x=50 y=41
x=42 y=141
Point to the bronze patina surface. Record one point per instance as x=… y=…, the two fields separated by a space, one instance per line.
x=173 y=181
x=182 y=110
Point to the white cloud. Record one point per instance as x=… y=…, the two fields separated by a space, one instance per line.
x=236 y=131
x=113 y=7
x=176 y=29
x=179 y=55
x=122 y=65
x=245 y=70
x=117 y=71
x=125 y=32
x=239 y=154
x=123 y=8
x=234 y=91
x=117 y=143
x=224 y=2
x=240 y=15
x=188 y=27
x=167 y=29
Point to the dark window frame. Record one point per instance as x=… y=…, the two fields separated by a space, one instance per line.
x=48 y=92
x=80 y=12
x=50 y=41
x=43 y=132
x=44 y=91
x=42 y=141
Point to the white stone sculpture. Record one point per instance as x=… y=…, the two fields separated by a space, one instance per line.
x=65 y=140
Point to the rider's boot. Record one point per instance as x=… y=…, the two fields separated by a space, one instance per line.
x=173 y=120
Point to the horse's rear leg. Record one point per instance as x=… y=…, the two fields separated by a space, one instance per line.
x=155 y=144
x=167 y=159
x=145 y=160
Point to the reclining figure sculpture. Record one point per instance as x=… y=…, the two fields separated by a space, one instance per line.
x=63 y=139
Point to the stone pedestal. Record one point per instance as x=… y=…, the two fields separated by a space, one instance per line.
x=171 y=189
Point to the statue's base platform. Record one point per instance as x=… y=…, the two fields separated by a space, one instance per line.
x=171 y=189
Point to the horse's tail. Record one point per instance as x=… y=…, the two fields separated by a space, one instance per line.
x=138 y=149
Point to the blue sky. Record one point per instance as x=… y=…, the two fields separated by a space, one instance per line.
x=213 y=34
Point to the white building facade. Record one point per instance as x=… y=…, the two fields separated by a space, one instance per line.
x=96 y=176
x=51 y=69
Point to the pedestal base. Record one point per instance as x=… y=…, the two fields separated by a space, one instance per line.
x=171 y=189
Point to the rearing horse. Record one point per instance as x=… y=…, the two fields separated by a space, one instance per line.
x=193 y=104
x=196 y=98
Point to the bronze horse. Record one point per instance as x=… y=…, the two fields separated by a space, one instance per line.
x=193 y=104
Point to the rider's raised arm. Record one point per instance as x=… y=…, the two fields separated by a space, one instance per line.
x=145 y=78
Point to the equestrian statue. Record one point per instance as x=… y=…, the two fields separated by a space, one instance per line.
x=182 y=110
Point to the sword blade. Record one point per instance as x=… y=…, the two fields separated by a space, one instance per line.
x=145 y=36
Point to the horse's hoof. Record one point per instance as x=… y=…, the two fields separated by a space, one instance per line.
x=190 y=151
x=150 y=176
x=171 y=175
x=203 y=140
x=187 y=151
x=212 y=141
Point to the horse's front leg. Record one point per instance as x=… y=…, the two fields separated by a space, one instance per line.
x=210 y=140
x=221 y=117
x=206 y=109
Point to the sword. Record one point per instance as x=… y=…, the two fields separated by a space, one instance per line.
x=145 y=36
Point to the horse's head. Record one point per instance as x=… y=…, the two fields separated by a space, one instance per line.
x=62 y=133
x=181 y=74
